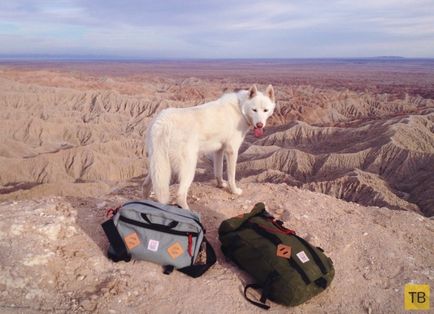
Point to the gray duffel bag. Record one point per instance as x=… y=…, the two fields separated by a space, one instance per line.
x=164 y=234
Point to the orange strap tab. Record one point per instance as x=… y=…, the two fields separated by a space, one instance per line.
x=283 y=251
x=175 y=250
x=132 y=240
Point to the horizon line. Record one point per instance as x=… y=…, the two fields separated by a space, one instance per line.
x=103 y=58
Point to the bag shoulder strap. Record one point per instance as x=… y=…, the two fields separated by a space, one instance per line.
x=265 y=290
x=117 y=250
x=261 y=304
x=314 y=254
x=198 y=270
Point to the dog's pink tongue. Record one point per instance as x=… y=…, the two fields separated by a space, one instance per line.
x=259 y=132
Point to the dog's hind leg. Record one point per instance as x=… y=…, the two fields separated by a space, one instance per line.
x=160 y=170
x=187 y=168
x=147 y=185
x=160 y=173
x=218 y=168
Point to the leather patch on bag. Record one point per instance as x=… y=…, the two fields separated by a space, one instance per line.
x=175 y=250
x=283 y=251
x=132 y=240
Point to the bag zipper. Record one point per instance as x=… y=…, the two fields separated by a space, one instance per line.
x=152 y=227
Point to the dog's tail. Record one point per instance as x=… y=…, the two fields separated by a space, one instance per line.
x=159 y=166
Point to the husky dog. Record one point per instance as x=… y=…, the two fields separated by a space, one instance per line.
x=176 y=136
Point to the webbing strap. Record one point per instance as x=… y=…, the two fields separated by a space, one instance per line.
x=260 y=304
x=276 y=241
x=266 y=287
x=168 y=269
x=117 y=251
x=197 y=270
x=315 y=256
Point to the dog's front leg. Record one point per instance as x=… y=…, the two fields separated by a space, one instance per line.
x=218 y=168
x=232 y=156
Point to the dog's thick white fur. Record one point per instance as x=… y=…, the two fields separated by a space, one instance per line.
x=176 y=136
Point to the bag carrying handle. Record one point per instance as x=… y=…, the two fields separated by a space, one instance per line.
x=172 y=224
x=260 y=304
x=265 y=290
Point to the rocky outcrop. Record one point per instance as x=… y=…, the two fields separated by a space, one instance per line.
x=381 y=162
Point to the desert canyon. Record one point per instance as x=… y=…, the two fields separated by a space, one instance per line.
x=347 y=161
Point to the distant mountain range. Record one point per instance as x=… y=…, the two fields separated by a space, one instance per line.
x=53 y=57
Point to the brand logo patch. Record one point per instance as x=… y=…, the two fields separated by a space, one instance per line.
x=416 y=297
x=283 y=251
x=153 y=245
x=175 y=250
x=132 y=240
x=302 y=257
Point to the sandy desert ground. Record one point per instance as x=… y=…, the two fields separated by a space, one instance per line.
x=72 y=144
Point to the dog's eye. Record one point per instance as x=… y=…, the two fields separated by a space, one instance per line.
x=254 y=110
x=265 y=110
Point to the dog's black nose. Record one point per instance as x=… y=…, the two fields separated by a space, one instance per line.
x=259 y=125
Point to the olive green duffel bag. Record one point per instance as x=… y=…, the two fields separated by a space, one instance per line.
x=285 y=267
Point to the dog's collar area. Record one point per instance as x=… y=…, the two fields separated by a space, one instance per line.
x=247 y=120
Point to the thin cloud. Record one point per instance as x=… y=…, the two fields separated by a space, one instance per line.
x=215 y=29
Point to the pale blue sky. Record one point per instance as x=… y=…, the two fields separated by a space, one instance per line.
x=218 y=29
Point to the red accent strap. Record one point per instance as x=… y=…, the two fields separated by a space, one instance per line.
x=190 y=244
x=110 y=212
x=282 y=230
x=280 y=226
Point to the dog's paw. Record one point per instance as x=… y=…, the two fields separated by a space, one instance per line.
x=222 y=184
x=237 y=191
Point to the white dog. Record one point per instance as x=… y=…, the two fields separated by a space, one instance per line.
x=177 y=135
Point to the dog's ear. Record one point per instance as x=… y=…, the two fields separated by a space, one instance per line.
x=270 y=92
x=253 y=91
